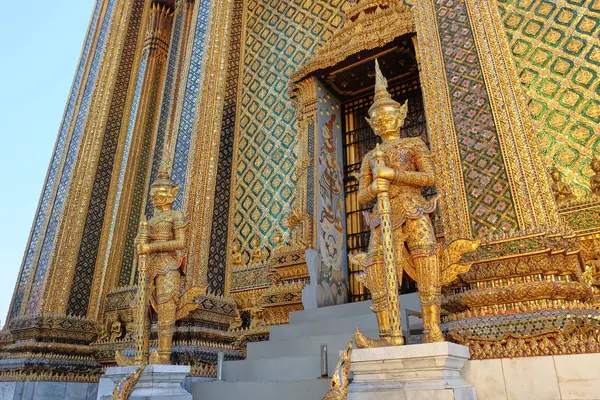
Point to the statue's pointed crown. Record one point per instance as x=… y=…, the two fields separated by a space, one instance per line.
x=383 y=98
x=381 y=85
x=164 y=173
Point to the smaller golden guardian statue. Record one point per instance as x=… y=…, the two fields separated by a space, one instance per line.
x=562 y=191
x=402 y=235
x=161 y=244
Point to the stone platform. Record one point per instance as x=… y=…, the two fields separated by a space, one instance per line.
x=158 y=382
x=413 y=372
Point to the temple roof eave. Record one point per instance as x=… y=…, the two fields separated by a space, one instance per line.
x=366 y=31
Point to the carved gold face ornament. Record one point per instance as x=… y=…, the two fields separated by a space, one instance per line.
x=386 y=121
x=163 y=195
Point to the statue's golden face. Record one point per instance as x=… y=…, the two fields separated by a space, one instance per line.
x=163 y=195
x=386 y=120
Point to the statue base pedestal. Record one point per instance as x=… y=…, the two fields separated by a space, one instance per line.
x=415 y=372
x=158 y=382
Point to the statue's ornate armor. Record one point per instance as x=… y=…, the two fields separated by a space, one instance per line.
x=414 y=239
x=165 y=267
x=412 y=157
x=167 y=233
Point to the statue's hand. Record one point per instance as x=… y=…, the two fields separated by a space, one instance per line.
x=384 y=173
x=143 y=248
x=379 y=185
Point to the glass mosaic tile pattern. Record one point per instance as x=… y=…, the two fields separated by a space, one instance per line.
x=280 y=37
x=556 y=45
x=188 y=113
x=128 y=138
x=217 y=258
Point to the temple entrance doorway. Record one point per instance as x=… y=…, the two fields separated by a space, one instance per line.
x=353 y=83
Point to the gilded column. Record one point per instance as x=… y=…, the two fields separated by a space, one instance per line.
x=216 y=274
x=81 y=233
x=61 y=164
x=115 y=268
x=189 y=96
x=68 y=226
x=180 y=37
x=204 y=153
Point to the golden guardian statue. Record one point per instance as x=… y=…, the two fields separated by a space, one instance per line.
x=402 y=235
x=161 y=244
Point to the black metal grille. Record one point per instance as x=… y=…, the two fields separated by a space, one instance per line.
x=360 y=139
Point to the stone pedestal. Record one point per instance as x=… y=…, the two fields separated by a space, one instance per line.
x=416 y=372
x=158 y=382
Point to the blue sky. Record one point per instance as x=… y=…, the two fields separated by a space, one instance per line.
x=40 y=41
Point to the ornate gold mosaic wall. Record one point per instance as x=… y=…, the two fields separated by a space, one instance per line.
x=279 y=37
x=557 y=50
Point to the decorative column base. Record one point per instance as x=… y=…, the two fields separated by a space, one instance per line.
x=157 y=382
x=421 y=371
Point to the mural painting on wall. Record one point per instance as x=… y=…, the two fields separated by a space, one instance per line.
x=331 y=278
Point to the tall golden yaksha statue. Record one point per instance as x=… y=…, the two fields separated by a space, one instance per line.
x=399 y=169
x=161 y=244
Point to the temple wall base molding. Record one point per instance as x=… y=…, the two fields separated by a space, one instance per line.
x=48 y=391
x=549 y=377
x=422 y=371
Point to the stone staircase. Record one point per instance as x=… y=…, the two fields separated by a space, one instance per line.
x=288 y=366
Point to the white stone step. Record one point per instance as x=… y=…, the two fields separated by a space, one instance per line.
x=333 y=326
x=410 y=301
x=276 y=369
x=291 y=390
x=302 y=346
x=339 y=311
